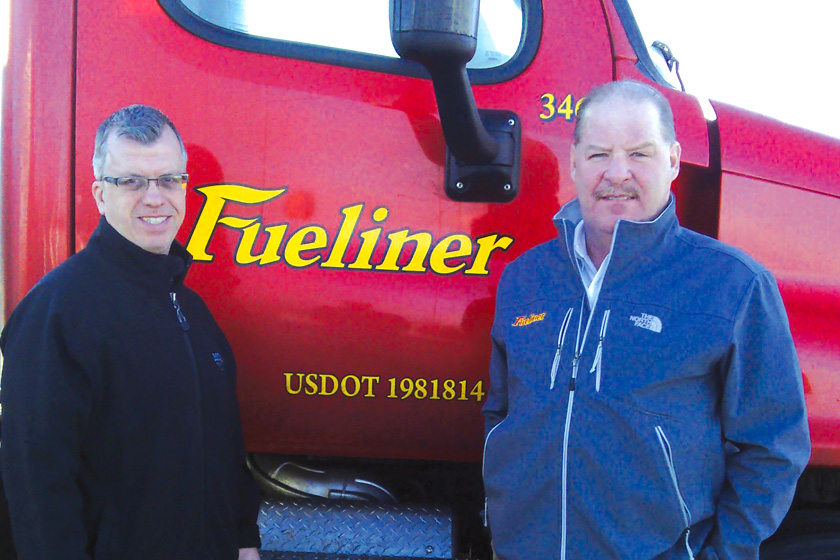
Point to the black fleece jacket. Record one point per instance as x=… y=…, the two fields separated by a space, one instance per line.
x=121 y=430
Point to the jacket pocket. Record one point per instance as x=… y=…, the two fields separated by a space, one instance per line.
x=667 y=454
x=483 y=473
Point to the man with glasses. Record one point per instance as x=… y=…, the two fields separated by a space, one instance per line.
x=121 y=431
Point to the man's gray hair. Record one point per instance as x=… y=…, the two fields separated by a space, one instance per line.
x=141 y=123
x=628 y=90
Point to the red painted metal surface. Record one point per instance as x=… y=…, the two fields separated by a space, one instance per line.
x=780 y=201
x=336 y=138
x=37 y=145
x=353 y=157
x=794 y=233
x=757 y=146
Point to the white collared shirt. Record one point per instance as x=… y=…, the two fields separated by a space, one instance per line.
x=591 y=277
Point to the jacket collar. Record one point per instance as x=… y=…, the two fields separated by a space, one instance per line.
x=633 y=242
x=138 y=265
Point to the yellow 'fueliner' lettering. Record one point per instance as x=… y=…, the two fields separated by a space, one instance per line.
x=523 y=321
x=305 y=246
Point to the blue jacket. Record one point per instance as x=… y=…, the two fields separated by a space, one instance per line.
x=668 y=422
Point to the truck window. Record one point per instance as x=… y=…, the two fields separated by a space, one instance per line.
x=354 y=33
x=644 y=26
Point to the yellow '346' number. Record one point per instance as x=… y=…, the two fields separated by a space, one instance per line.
x=567 y=108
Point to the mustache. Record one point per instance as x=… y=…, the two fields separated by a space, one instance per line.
x=602 y=192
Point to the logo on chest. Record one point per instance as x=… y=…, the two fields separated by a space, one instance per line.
x=220 y=362
x=649 y=322
x=524 y=320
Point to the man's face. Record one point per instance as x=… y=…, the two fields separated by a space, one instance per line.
x=150 y=217
x=622 y=167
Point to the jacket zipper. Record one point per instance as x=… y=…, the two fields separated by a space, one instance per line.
x=669 y=461
x=561 y=338
x=575 y=363
x=596 y=363
x=596 y=367
x=579 y=342
x=185 y=327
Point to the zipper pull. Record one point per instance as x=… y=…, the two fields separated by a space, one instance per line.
x=554 y=365
x=561 y=339
x=575 y=362
x=596 y=364
x=181 y=319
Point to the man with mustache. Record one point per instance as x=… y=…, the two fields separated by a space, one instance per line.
x=657 y=410
x=121 y=431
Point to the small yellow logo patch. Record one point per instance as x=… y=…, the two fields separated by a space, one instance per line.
x=522 y=320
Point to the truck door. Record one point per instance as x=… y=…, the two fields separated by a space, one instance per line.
x=357 y=296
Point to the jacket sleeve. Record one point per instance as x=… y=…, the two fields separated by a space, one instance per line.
x=47 y=398
x=249 y=496
x=763 y=416
x=496 y=406
x=249 y=506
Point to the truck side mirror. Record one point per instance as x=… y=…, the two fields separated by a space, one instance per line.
x=483 y=146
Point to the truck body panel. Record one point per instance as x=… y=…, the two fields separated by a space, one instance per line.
x=37 y=145
x=358 y=297
x=345 y=144
x=335 y=154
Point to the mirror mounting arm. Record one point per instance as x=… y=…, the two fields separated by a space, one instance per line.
x=466 y=136
x=483 y=146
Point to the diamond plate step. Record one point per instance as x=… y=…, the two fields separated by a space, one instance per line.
x=321 y=530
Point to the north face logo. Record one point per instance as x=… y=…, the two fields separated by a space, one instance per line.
x=649 y=322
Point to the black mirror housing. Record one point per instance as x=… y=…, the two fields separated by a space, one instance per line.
x=435 y=30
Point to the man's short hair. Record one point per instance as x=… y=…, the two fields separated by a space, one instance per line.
x=632 y=91
x=141 y=123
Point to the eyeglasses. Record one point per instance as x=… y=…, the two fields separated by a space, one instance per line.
x=165 y=182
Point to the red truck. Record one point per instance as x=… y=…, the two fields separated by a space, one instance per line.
x=350 y=213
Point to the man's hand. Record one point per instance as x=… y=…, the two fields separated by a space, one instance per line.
x=249 y=554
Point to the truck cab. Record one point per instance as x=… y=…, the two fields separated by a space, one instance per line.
x=350 y=249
